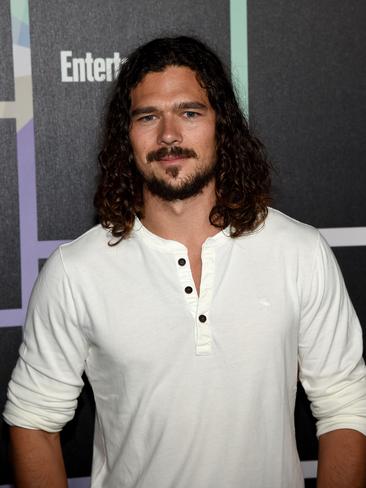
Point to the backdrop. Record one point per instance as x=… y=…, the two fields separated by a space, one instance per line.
x=298 y=67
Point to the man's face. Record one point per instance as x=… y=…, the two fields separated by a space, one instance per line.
x=172 y=133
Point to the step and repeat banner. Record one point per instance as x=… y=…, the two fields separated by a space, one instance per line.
x=298 y=68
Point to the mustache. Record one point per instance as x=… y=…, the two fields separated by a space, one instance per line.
x=163 y=152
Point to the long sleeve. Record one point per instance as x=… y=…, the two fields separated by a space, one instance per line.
x=46 y=381
x=331 y=367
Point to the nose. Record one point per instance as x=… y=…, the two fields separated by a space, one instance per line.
x=169 y=131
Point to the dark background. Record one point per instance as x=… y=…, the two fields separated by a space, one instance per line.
x=6 y=58
x=306 y=102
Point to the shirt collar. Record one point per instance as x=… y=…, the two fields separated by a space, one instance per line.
x=141 y=232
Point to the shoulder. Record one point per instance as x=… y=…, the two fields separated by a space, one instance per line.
x=281 y=226
x=82 y=249
x=91 y=243
x=283 y=235
x=89 y=252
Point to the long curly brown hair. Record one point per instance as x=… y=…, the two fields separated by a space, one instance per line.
x=242 y=170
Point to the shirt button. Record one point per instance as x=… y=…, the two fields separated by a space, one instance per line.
x=202 y=318
x=188 y=289
x=181 y=261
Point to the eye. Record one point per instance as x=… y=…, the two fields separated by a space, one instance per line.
x=147 y=118
x=189 y=114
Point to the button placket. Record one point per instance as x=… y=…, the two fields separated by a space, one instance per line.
x=186 y=280
x=203 y=327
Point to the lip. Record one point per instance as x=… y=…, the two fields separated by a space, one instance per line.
x=167 y=159
x=170 y=160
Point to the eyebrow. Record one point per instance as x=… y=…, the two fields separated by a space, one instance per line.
x=142 y=110
x=187 y=105
x=178 y=106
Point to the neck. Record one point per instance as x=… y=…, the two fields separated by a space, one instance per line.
x=185 y=221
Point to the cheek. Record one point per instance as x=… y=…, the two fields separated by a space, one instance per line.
x=208 y=142
x=139 y=148
x=203 y=137
x=209 y=133
x=142 y=142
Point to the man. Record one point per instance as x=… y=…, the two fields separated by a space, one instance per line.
x=192 y=309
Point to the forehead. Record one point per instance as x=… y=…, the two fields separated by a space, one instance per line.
x=175 y=83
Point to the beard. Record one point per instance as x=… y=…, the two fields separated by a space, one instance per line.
x=187 y=188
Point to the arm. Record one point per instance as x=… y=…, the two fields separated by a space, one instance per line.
x=333 y=374
x=37 y=459
x=46 y=381
x=342 y=459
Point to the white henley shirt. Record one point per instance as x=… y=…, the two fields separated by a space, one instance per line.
x=192 y=391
